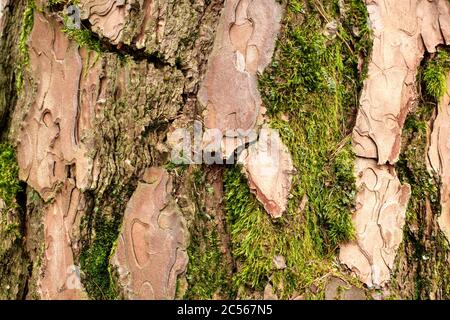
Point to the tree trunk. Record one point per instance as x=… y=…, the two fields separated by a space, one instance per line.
x=224 y=149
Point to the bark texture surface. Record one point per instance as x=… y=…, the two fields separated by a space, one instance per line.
x=269 y=170
x=151 y=252
x=94 y=206
x=401 y=34
x=244 y=45
x=243 y=48
x=88 y=125
x=439 y=157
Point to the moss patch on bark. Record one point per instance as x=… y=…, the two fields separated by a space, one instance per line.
x=422 y=264
x=311 y=92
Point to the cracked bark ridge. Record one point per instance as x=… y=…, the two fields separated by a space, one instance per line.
x=60 y=278
x=50 y=148
x=89 y=121
x=151 y=251
x=269 y=170
x=51 y=156
x=439 y=157
x=57 y=134
x=379 y=219
x=401 y=34
x=163 y=27
x=107 y=17
x=244 y=45
x=101 y=119
x=128 y=99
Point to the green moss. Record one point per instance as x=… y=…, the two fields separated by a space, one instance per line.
x=13 y=260
x=257 y=239
x=424 y=248
x=103 y=225
x=311 y=93
x=435 y=74
x=100 y=230
x=315 y=82
x=9 y=171
x=84 y=38
x=207 y=275
x=95 y=257
x=355 y=29
x=253 y=234
x=413 y=169
x=27 y=27
x=12 y=231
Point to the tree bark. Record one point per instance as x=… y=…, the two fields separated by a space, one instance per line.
x=224 y=149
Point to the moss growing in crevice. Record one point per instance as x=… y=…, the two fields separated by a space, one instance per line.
x=256 y=240
x=13 y=259
x=422 y=267
x=27 y=27
x=9 y=175
x=85 y=38
x=82 y=35
x=206 y=275
x=11 y=220
x=311 y=93
x=95 y=257
x=209 y=274
x=434 y=74
x=101 y=230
